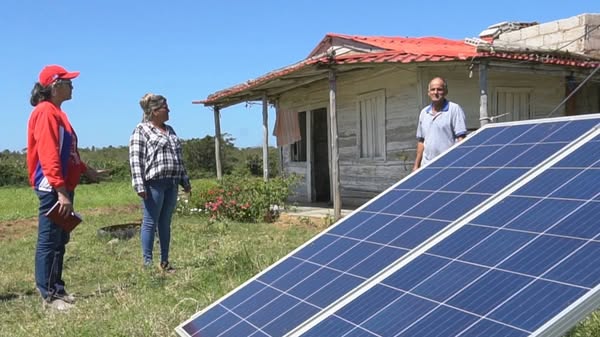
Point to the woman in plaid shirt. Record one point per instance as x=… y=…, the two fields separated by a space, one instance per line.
x=156 y=162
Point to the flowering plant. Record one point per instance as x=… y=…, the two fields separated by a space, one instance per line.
x=245 y=199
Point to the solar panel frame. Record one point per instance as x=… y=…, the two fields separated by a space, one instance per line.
x=555 y=327
x=365 y=206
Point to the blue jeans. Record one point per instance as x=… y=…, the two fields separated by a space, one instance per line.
x=50 y=249
x=160 y=202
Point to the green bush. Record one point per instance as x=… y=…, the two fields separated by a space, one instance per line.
x=13 y=173
x=118 y=170
x=243 y=199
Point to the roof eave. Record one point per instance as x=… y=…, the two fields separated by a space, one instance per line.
x=314 y=69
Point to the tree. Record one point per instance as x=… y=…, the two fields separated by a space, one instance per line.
x=199 y=156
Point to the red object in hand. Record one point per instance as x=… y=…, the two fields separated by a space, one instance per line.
x=66 y=223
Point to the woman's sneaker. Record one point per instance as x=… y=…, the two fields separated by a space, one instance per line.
x=58 y=305
x=69 y=298
x=165 y=267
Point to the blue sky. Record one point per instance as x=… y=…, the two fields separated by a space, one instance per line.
x=188 y=49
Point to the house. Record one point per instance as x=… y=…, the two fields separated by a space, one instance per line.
x=347 y=113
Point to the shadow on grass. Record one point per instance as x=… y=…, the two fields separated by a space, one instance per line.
x=5 y=297
x=122 y=231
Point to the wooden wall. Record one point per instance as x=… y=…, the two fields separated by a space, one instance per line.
x=361 y=179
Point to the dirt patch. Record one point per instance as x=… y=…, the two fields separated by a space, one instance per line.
x=20 y=228
x=135 y=208
x=286 y=220
x=16 y=229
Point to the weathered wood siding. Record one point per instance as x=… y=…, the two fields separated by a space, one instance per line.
x=297 y=168
x=360 y=178
x=588 y=100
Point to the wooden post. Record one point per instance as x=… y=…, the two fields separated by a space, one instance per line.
x=265 y=114
x=335 y=157
x=281 y=164
x=309 y=158
x=483 y=95
x=218 y=142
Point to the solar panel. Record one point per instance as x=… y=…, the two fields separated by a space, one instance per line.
x=519 y=268
x=348 y=256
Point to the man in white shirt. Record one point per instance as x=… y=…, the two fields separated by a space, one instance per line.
x=441 y=124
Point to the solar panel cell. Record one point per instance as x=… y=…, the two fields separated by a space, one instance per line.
x=536 y=154
x=496 y=247
x=398 y=315
x=543 y=214
x=497 y=180
x=535 y=304
x=397 y=228
x=370 y=225
x=458 y=206
x=581 y=268
x=443 y=321
x=279 y=269
x=444 y=161
x=583 y=158
x=333 y=290
x=553 y=178
x=508 y=134
x=466 y=238
x=441 y=178
x=493 y=329
x=473 y=157
x=360 y=218
x=292 y=278
x=374 y=263
x=488 y=292
x=446 y=281
x=336 y=327
x=417 y=234
x=582 y=223
x=540 y=255
x=293 y=313
x=573 y=129
x=376 y=299
x=585 y=186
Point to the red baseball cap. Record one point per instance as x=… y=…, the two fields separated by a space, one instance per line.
x=53 y=72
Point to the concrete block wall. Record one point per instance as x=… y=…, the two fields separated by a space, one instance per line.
x=578 y=34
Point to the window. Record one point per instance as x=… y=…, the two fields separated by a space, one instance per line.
x=515 y=103
x=371 y=124
x=298 y=149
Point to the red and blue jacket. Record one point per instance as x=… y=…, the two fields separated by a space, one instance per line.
x=52 y=157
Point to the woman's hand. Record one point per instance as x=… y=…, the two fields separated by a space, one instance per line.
x=96 y=176
x=66 y=206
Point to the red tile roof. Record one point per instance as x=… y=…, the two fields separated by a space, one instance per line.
x=544 y=57
x=255 y=82
x=404 y=50
x=414 y=45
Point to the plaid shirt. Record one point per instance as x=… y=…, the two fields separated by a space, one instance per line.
x=155 y=154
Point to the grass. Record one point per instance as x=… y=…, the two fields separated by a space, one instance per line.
x=21 y=202
x=116 y=296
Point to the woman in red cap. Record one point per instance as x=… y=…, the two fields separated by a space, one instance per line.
x=54 y=170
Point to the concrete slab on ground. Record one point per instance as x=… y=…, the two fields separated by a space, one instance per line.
x=314 y=211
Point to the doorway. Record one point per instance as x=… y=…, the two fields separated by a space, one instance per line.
x=320 y=148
